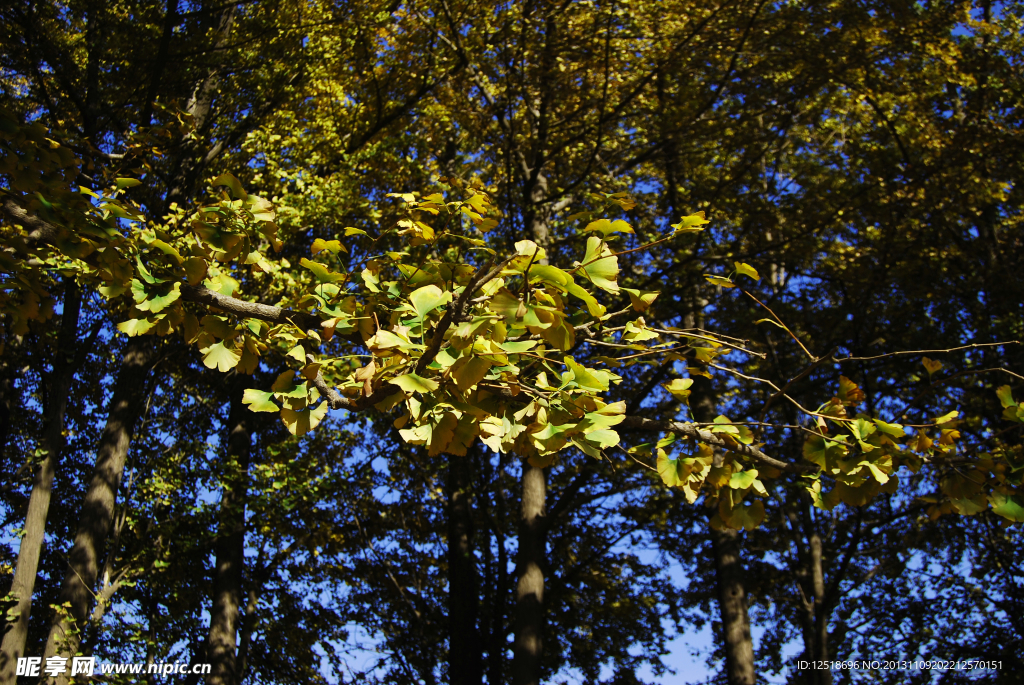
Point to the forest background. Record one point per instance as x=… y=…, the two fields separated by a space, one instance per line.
x=294 y=492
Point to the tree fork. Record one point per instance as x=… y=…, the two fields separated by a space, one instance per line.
x=30 y=549
x=97 y=513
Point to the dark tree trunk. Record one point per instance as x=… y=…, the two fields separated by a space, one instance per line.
x=725 y=544
x=732 y=601
x=465 y=659
x=94 y=523
x=25 y=572
x=230 y=547
x=529 y=609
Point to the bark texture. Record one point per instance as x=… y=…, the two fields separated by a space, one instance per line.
x=465 y=658
x=222 y=650
x=23 y=585
x=126 y=406
x=529 y=610
x=732 y=600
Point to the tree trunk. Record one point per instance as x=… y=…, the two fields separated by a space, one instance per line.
x=819 y=613
x=230 y=547
x=13 y=646
x=94 y=523
x=732 y=601
x=465 y=659
x=529 y=609
x=725 y=544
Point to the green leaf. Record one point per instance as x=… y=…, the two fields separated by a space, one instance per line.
x=134 y=327
x=221 y=357
x=679 y=387
x=157 y=303
x=590 y=379
x=719 y=281
x=123 y=183
x=230 y=181
x=606 y=227
x=258 y=400
x=1007 y=506
x=747 y=270
x=1005 y=395
x=333 y=246
x=946 y=418
x=196 y=269
x=691 y=224
x=600 y=265
x=471 y=372
x=668 y=469
x=301 y=422
x=410 y=382
x=743 y=479
x=428 y=298
x=322 y=273
x=641 y=299
x=747 y=517
x=596 y=309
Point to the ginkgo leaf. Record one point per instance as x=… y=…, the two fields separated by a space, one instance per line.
x=428 y=298
x=230 y=181
x=298 y=354
x=746 y=516
x=1008 y=506
x=195 y=270
x=123 y=183
x=299 y=423
x=134 y=327
x=333 y=246
x=931 y=365
x=668 y=469
x=322 y=273
x=719 y=281
x=691 y=224
x=600 y=265
x=747 y=270
x=221 y=357
x=1005 y=395
x=155 y=302
x=849 y=393
x=743 y=479
x=410 y=382
x=589 y=379
x=606 y=227
x=679 y=387
x=641 y=300
x=471 y=372
x=258 y=400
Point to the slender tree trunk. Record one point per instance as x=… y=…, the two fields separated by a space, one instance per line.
x=732 y=601
x=529 y=609
x=94 y=523
x=465 y=659
x=13 y=646
x=820 y=613
x=725 y=544
x=230 y=547
x=498 y=632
